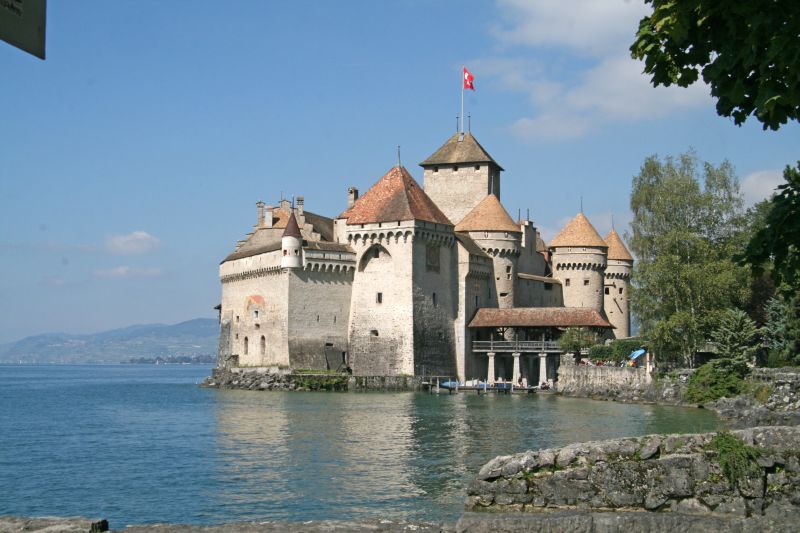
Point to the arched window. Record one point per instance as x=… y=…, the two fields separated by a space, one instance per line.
x=263 y=345
x=245 y=345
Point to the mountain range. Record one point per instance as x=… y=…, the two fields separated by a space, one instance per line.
x=193 y=337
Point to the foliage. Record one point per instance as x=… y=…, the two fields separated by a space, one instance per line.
x=573 y=340
x=777 y=242
x=686 y=227
x=762 y=392
x=737 y=460
x=622 y=348
x=736 y=335
x=745 y=51
x=717 y=378
x=782 y=331
x=601 y=351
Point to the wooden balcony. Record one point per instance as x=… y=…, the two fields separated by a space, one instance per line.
x=515 y=346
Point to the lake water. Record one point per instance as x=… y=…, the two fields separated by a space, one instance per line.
x=142 y=444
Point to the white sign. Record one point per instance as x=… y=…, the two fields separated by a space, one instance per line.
x=22 y=24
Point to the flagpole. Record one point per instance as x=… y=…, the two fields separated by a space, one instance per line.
x=462 y=99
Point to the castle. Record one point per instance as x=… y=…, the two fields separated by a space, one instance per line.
x=435 y=280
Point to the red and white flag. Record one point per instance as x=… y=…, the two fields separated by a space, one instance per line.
x=468 y=80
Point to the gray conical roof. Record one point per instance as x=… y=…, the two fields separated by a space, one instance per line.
x=292 y=229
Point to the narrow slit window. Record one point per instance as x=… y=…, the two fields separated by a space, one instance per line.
x=434 y=299
x=379 y=298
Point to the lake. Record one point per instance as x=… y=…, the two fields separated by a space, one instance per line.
x=142 y=444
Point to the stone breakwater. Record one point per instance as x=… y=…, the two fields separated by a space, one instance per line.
x=780 y=408
x=267 y=379
x=621 y=384
x=675 y=473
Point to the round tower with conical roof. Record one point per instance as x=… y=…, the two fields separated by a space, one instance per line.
x=292 y=245
x=579 y=262
x=491 y=227
x=617 y=284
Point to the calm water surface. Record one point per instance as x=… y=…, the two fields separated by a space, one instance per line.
x=143 y=444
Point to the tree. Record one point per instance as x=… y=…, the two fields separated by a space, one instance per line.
x=747 y=52
x=573 y=340
x=684 y=234
x=782 y=330
x=736 y=335
x=777 y=242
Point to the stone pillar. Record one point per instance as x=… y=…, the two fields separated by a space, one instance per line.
x=542 y=368
x=490 y=372
x=515 y=375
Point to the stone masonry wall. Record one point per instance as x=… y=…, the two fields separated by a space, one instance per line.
x=581 y=272
x=457 y=192
x=319 y=309
x=677 y=473
x=608 y=382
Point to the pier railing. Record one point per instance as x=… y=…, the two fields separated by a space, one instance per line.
x=515 y=346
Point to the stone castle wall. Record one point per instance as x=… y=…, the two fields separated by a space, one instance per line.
x=582 y=275
x=318 y=314
x=609 y=382
x=381 y=333
x=242 y=279
x=616 y=302
x=457 y=192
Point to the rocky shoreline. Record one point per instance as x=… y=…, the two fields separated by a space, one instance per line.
x=266 y=379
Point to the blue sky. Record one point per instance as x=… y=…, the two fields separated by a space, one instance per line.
x=131 y=159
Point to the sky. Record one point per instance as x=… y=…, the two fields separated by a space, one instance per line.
x=132 y=158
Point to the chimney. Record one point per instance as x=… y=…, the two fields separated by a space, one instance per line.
x=260 y=210
x=285 y=204
x=299 y=201
x=352 y=196
x=268 y=216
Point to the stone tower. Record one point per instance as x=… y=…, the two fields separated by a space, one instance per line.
x=618 y=274
x=292 y=245
x=579 y=262
x=491 y=227
x=459 y=175
x=402 y=306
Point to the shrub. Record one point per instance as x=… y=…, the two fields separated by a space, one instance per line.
x=717 y=378
x=601 y=351
x=737 y=460
x=622 y=348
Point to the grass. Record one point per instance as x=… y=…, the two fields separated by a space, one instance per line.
x=737 y=460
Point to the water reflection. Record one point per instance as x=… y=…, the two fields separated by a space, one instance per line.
x=401 y=455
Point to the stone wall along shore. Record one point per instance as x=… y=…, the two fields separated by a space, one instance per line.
x=269 y=379
x=674 y=473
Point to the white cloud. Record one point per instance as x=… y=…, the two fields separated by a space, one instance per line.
x=134 y=243
x=125 y=271
x=590 y=27
x=760 y=185
x=572 y=97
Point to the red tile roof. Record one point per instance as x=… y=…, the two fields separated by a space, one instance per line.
x=616 y=248
x=396 y=196
x=488 y=317
x=488 y=215
x=578 y=232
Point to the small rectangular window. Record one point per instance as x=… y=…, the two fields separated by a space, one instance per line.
x=566 y=282
x=455 y=168
x=373 y=332
x=508 y=276
x=258 y=326
x=477 y=167
x=434 y=299
x=508 y=269
x=436 y=169
x=620 y=290
x=237 y=318
x=586 y=282
x=608 y=291
x=477 y=300
x=256 y=312
x=379 y=298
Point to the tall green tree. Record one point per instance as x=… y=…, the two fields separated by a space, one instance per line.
x=737 y=336
x=686 y=227
x=747 y=52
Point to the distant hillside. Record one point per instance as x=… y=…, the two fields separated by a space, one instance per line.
x=193 y=337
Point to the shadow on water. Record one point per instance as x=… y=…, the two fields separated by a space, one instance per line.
x=144 y=444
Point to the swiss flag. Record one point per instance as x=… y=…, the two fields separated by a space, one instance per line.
x=468 y=80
